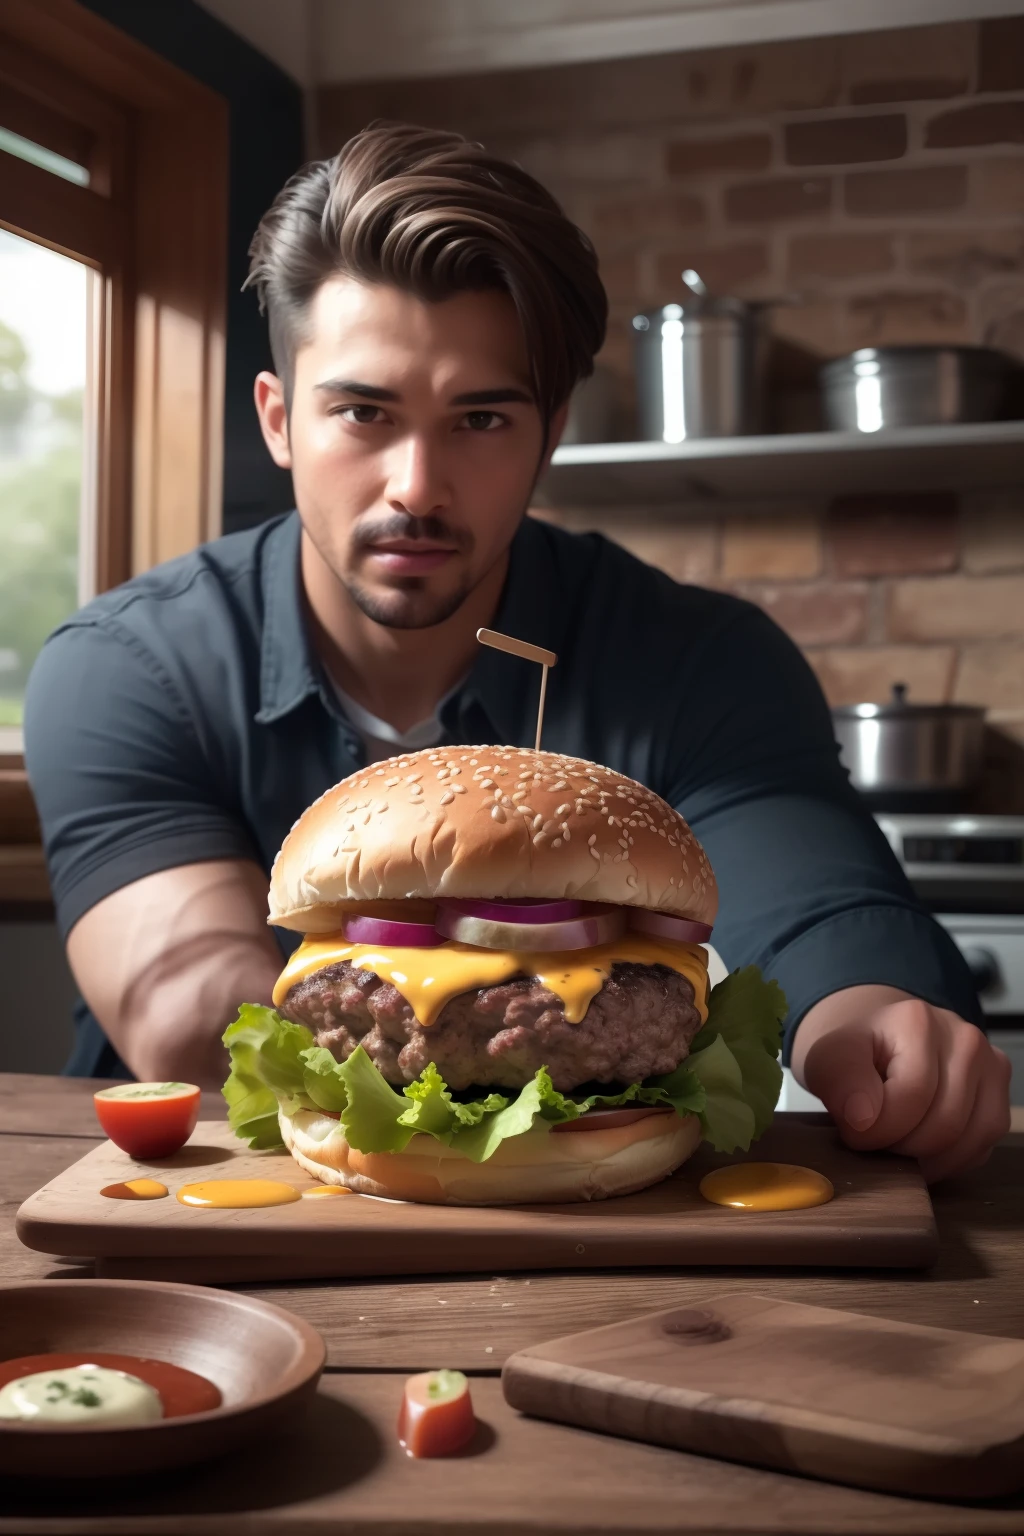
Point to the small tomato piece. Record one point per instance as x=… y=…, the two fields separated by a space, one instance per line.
x=148 y=1119
x=436 y=1417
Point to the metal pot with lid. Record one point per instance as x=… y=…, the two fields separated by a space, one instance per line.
x=699 y=366
x=900 y=749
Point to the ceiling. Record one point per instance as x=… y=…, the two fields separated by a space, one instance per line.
x=322 y=42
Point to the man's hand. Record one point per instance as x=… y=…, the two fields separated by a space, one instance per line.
x=895 y=1072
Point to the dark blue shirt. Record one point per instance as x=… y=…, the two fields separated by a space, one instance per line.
x=185 y=716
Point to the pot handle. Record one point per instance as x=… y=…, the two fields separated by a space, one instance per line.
x=899 y=694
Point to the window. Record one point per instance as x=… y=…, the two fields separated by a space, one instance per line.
x=113 y=220
x=45 y=488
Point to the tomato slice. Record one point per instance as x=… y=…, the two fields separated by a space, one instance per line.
x=436 y=1416
x=148 y=1119
x=608 y=1119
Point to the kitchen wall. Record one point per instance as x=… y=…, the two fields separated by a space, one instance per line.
x=881 y=178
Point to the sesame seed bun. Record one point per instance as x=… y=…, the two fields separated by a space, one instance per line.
x=541 y=1166
x=487 y=822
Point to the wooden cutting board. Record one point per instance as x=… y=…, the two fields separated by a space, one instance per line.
x=881 y=1216
x=832 y=1394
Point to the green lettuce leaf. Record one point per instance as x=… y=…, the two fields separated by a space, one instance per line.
x=731 y=1079
x=745 y=1012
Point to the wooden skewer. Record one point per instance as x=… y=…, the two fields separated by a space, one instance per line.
x=500 y=642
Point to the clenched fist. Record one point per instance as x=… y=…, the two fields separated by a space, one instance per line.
x=895 y=1072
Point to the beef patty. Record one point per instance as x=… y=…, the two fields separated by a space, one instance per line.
x=641 y=1022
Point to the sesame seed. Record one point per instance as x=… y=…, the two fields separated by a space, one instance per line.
x=486 y=783
x=519 y=794
x=392 y=782
x=497 y=814
x=594 y=854
x=458 y=789
x=592 y=839
x=557 y=843
x=563 y=810
x=447 y=797
x=538 y=838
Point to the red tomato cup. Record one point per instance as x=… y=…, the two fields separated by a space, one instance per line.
x=148 y=1119
x=436 y=1417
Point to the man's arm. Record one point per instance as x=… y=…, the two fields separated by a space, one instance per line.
x=165 y=961
x=883 y=1022
x=152 y=867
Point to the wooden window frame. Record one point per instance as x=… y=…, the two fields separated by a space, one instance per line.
x=153 y=225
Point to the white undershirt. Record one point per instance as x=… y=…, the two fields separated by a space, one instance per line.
x=383 y=740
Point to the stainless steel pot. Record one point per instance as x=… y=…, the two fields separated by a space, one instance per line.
x=880 y=387
x=904 y=749
x=698 y=369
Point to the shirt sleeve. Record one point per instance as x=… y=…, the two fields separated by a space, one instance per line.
x=120 y=780
x=810 y=889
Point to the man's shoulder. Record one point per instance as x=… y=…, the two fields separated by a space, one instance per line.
x=225 y=572
x=609 y=577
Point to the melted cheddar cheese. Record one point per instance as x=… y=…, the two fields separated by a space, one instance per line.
x=429 y=978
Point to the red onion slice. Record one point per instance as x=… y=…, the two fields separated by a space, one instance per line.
x=526 y=910
x=660 y=925
x=379 y=930
x=579 y=933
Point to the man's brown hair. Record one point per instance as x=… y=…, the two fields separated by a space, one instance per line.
x=436 y=215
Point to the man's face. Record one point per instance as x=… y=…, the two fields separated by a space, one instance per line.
x=414 y=443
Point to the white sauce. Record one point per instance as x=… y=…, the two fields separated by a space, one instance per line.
x=80 y=1394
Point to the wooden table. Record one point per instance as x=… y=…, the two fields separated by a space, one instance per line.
x=342 y=1468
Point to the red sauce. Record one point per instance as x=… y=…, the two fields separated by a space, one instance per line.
x=180 y=1391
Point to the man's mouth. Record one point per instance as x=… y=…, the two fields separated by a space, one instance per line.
x=410 y=557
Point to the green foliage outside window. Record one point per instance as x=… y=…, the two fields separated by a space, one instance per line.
x=40 y=489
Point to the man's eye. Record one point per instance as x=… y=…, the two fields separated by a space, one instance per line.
x=483 y=421
x=362 y=415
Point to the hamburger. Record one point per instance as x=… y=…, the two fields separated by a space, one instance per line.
x=501 y=994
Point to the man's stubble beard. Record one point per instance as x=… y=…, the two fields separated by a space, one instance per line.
x=379 y=606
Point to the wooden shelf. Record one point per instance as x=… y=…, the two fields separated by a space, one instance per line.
x=980 y=456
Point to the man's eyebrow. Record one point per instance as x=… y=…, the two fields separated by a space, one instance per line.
x=506 y=395
x=353 y=387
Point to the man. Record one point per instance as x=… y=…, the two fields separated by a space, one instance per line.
x=430 y=311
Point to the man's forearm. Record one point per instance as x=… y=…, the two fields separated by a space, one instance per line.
x=164 y=963
x=174 y=1031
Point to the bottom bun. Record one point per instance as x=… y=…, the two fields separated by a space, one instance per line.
x=535 y=1167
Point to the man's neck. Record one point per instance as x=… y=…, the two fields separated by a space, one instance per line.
x=399 y=675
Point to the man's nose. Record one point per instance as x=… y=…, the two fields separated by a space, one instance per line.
x=417 y=483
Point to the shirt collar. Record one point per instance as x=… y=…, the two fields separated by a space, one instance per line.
x=500 y=694
x=288 y=670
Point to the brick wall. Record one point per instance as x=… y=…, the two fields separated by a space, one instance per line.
x=879 y=176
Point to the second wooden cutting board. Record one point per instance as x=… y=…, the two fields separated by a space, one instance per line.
x=805 y=1389
x=881 y=1216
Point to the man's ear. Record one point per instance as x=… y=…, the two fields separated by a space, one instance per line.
x=268 y=392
